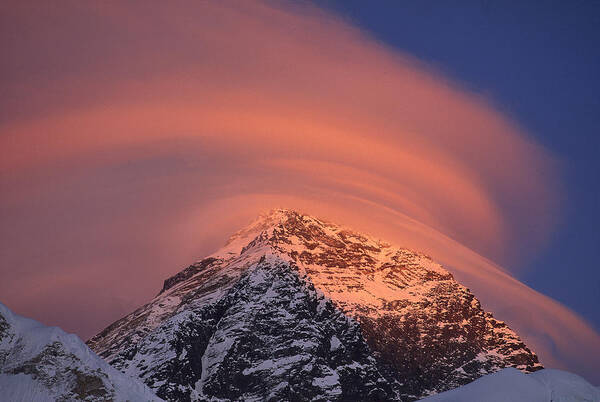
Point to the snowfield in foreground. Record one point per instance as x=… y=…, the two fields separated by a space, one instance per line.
x=511 y=385
x=39 y=363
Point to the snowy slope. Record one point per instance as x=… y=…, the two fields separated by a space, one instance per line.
x=409 y=324
x=512 y=385
x=272 y=336
x=39 y=363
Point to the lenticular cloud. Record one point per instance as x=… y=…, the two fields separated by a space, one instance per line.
x=174 y=126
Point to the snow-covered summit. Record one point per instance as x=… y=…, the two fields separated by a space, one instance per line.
x=40 y=363
x=423 y=331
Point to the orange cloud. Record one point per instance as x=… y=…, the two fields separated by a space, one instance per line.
x=165 y=127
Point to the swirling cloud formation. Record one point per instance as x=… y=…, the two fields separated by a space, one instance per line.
x=135 y=137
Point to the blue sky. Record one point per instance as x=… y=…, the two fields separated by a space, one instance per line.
x=539 y=62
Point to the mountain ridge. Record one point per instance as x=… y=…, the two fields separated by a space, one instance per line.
x=40 y=363
x=426 y=333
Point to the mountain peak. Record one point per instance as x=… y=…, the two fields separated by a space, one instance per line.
x=301 y=290
x=264 y=222
x=282 y=225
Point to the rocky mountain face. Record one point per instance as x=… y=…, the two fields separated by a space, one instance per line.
x=39 y=363
x=295 y=308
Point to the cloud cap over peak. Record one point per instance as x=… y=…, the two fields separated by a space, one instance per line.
x=130 y=133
